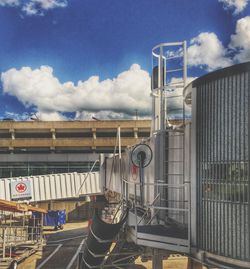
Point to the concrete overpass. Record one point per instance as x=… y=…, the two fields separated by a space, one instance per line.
x=69 y=136
x=29 y=148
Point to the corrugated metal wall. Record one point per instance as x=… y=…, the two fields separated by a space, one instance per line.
x=223 y=164
x=56 y=186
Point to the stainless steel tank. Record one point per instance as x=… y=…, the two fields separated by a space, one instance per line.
x=221 y=175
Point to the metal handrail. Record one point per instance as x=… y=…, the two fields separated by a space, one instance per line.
x=84 y=180
x=158 y=209
x=157 y=184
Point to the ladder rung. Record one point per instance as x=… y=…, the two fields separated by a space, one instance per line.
x=177 y=135
x=174 y=161
x=174 y=148
x=176 y=87
x=175 y=109
x=174 y=70
x=180 y=175
x=175 y=131
x=174 y=96
x=175 y=83
x=174 y=57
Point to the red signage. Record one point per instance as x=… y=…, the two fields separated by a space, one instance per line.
x=21 y=187
x=134 y=172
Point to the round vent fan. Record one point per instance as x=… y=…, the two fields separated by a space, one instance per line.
x=141 y=155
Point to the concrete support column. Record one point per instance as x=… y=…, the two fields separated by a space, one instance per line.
x=94 y=133
x=12 y=132
x=53 y=131
x=135 y=132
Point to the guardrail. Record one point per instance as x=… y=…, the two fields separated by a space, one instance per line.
x=169 y=211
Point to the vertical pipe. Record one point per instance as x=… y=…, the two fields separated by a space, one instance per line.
x=228 y=188
x=236 y=161
x=216 y=201
x=231 y=166
x=219 y=161
x=4 y=241
x=210 y=145
x=120 y=164
x=185 y=63
x=239 y=163
x=248 y=158
x=196 y=111
x=242 y=148
x=157 y=259
x=161 y=86
x=222 y=164
x=119 y=142
x=246 y=181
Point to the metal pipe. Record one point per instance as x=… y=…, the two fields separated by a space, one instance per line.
x=87 y=176
x=219 y=265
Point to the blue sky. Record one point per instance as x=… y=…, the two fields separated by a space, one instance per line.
x=78 y=58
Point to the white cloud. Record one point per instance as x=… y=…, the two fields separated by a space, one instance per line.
x=43 y=116
x=175 y=104
x=50 y=116
x=130 y=90
x=15 y=116
x=102 y=115
x=237 y=5
x=35 y=7
x=240 y=41
x=9 y=2
x=207 y=50
x=108 y=99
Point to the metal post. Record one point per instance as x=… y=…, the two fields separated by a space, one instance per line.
x=141 y=171
x=120 y=161
x=4 y=241
x=157 y=259
x=161 y=86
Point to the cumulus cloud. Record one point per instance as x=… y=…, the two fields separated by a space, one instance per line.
x=43 y=116
x=101 y=115
x=237 y=5
x=116 y=98
x=16 y=116
x=130 y=90
x=207 y=50
x=240 y=41
x=50 y=116
x=35 y=7
x=9 y=3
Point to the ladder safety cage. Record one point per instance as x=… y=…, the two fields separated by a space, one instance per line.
x=165 y=222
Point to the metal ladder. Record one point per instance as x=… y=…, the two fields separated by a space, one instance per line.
x=169 y=79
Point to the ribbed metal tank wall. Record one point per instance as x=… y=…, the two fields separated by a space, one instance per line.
x=223 y=101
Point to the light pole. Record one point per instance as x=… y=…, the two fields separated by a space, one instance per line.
x=136 y=114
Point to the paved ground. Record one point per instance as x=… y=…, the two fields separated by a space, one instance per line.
x=61 y=251
x=174 y=262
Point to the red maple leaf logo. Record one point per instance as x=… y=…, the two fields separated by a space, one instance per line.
x=134 y=169
x=21 y=187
